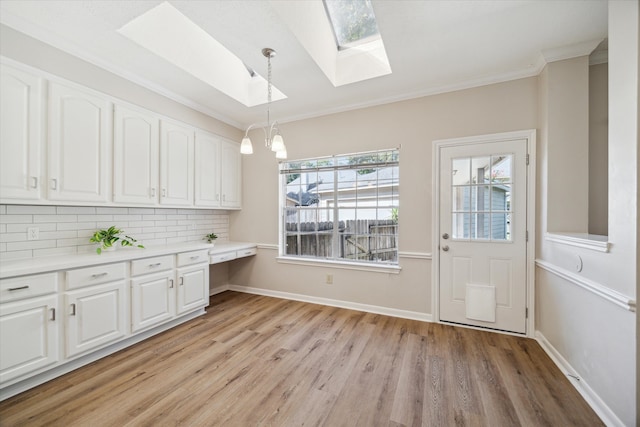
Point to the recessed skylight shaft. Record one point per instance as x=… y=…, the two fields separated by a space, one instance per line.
x=353 y=22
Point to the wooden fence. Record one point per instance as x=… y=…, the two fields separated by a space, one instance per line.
x=358 y=239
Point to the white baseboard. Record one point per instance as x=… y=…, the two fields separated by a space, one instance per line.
x=597 y=404
x=394 y=312
x=218 y=290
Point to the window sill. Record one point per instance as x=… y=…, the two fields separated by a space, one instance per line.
x=374 y=268
x=593 y=242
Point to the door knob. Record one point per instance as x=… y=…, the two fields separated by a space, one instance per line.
x=445 y=236
x=445 y=248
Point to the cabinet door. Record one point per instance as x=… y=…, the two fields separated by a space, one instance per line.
x=20 y=134
x=231 y=175
x=95 y=316
x=78 y=145
x=176 y=164
x=152 y=300
x=193 y=287
x=207 y=161
x=135 y=156
x=29 y=336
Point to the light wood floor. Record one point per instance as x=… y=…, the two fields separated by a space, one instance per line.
x=254 y=360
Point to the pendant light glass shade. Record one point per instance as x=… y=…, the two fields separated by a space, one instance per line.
x=246 y=147
x=277 y=144
x=282 y=154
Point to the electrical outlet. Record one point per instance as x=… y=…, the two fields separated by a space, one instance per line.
x=329 y=280
x=33 y=233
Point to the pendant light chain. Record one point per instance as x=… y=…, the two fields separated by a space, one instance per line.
x=268 y=141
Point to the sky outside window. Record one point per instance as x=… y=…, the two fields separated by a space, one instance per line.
x=353 y=21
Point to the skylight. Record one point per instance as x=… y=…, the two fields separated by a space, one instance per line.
x=353 y=22
x=165 y=31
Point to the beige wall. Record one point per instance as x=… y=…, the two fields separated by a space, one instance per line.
x=411 y=125
x=598 y=149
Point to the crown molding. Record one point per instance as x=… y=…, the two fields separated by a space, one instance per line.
x=570 y=51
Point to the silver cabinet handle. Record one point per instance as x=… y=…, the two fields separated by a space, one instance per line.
x=73 y=309
x=153 y=192
x=34 y=182
x=195 y=257
x=54 y=183
x=164 y=192
x=224 y=197
x=95 y=276
x=171 y=283
x=157 y=264
x=181 y=280
x=19 y=288
x=218 y=197
x=53 y=314
x=445 y=248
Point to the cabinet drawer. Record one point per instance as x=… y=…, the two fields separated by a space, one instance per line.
x=247 y=252
x=94 y=275
x=151 y=265
x=227 y=256
x=195 y=257
x=17 y=288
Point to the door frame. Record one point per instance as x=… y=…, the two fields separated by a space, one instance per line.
x=530 y=136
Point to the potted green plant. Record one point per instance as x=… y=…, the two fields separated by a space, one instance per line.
x=107 y=238
x=211 y=237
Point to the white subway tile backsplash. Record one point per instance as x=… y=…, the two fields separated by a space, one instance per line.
x=15 y=219
x=31 y=244
x=67 y=229
x=77 y=210
x=31 y=210
x=112 y=211
x=55 y=218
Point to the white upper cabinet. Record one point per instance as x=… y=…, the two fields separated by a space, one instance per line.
x=135 y=156
x=207 y=190
x=20 y=134
x=231 y=169
x=78 y=145
x=176 y=164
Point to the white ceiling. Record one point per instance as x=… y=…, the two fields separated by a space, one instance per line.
x=432 y=46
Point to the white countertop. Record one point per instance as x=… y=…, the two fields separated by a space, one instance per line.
x=21 y=267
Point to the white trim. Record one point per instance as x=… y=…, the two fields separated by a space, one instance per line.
x=416 y=255
x=345 y=265
x=218 y=290
x=571 y=51
x=598 y=289
x=395 y=312
x=586 y=241
x=530 y=135
x=50 y=373
x=267 y=246
x=597 y=404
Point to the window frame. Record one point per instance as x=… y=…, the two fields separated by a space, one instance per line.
x=336 y=163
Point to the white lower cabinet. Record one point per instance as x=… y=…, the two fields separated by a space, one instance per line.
x=96 y=307
x=29 y=333
x=193 y=287
x=95 y=316
x=28 y=324
x=152 y=300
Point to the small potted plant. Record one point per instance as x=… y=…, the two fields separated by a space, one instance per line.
x=211 y=237
x=107 y=239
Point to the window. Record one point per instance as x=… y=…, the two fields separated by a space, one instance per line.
x=353 y=22
x=342 y=208
x=481 y=195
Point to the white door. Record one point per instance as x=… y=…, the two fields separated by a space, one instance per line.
x=135 y=156
x=231 y=175
x=152 y=300
x=207 y=170
x=193 y=287
x=482 y=234
x=78 y=145
x=29 y=336
x=176 y=164
x=95 y=316
x=20 y=134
